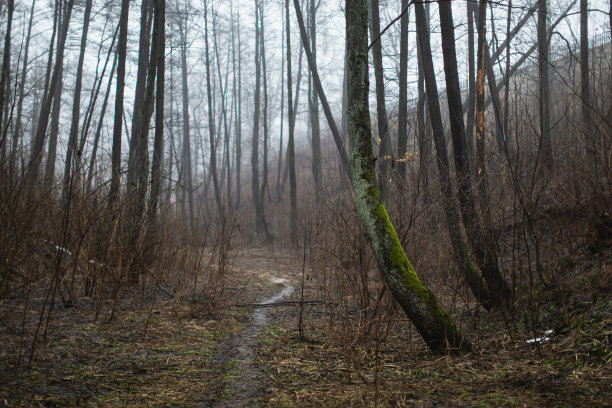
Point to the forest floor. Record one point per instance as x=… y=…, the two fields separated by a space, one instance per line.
x=243 y=355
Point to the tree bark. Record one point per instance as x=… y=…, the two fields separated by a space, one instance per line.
x=585 y=91
x=43 y=122
x=96 y=141
x=460 y=250
x=4 y=80
x=266 y=134
x=282 y=111
x=436 y=327
x=261 y=225
x=187 y=175
x=471 y=102
x=54 y=132
x=385 y=151
x=24 y=72
x=544 y=85
x=76 y=105
x=291 y=141
x=487 y=259
x=317 y=83
x=402 y=109
x=315 y=127
x=116 y=149
x=158 y=143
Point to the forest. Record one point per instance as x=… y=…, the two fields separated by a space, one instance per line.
x=306 y=203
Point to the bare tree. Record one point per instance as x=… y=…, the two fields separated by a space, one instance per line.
x=259 y=218
x=385 y=150
x=41 y=128
x=291 y=141
x=544 y=84
x=402 y=109
x=158 y=143
x=315 y=127
x=186 y=175
x=460 y=250
x=76 y=105
x=487 y=259
x=338 y=139
x=4 y=79
x=116 y=149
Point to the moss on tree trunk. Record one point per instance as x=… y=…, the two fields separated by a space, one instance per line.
x=419 y=303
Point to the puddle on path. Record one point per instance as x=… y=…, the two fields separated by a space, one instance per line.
x=246 y=386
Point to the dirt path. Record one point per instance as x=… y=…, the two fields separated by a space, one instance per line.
x=244 y=386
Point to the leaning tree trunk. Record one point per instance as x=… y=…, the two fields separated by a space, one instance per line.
x=338 y=139
x=436 y=327
x=460 y=250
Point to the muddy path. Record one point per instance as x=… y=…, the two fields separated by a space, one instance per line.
x=264 y=280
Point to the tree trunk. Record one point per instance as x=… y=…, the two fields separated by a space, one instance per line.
x=43 y=122
x=54 y=132
x=76 y=105
x=96 y=141
x=460 y=250
x=385 y=151
x=487 y=259
x=138 y=141
x=317 y=173
x=17 y=134
x=186 y=167
x=423 y=135
x=282 y=111
x=223 y=117
x=402 y=109
x=317 y=83
x=471 y=101
x=436 y=327
x=508 y=65
x=261 y=225
x=291 y=142
x=264 y=175
x=5 y=78
x=585 y=91
x=481 y=173
x=92 y=103
x=544 y=85
x=116 y=149
x=238 y=115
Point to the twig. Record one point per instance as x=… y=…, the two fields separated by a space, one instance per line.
x=276 y=304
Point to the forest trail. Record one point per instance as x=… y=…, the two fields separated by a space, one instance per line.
x=260 y=283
